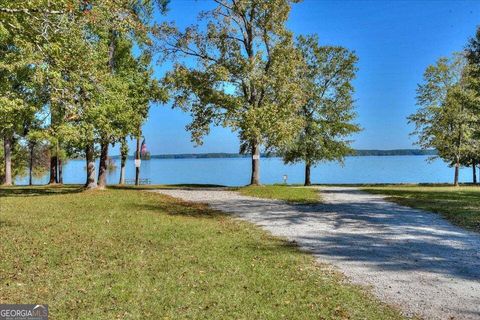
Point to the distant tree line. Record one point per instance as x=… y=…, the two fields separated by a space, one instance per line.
x=395 y=152
x=76 y=78
x=448 y=118
x=354 y=153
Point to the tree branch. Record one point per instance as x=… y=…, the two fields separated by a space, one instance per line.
x=29 y=11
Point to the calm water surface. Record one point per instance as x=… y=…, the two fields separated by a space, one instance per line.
x=236 y=171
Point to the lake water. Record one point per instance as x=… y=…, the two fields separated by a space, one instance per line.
x=236 y=171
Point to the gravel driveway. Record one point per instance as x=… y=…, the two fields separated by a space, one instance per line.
x=409 y=258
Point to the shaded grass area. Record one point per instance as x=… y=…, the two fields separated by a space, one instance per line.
x=164 y=186
x=460 y=205
x=24 y=191
x=139 y=255
x=291 y=194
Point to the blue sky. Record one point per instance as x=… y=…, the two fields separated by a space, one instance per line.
x=394 y=40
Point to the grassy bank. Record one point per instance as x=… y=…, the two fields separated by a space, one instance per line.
x=137 y=255
x=460 y=205
x=292 y=194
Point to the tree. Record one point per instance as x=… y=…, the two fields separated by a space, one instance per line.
x=143 y=90
x=472 y=52
x=27 y=154
x=81 y=94
x=245 y=76
x=17 y=91
x=39 y=25
x=123 y=159
x=47 y=29
x=124 y=106
x=125 y=23
x=444 y=119
x=328 y=110
x=73 y=88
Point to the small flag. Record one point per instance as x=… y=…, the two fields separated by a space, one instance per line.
x=143 y=148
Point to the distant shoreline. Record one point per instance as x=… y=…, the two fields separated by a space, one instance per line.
x=357 y=153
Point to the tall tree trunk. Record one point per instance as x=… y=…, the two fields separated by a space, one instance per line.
x=7 y=150
x=89 y=153
x=111 y=51
x=54 y=121
x=474 y=168
x=122 y=170
x=255 y=178
x=56 y=165
x=60 y=171
x=457 y=169
x=137 y=157
x=307 y=174
x=53 y=164
x=102 y=167
x=53 y=170
x=123 y=159
x=30 y=165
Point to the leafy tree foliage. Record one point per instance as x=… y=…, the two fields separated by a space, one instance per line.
x=445 y=120
x=473 y=72
x=18 y=102
x=245 y=73
x=328 y=111
x=87 y=87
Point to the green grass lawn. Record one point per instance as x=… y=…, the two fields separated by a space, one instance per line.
x=137 y=255
x=460 y=205
x=292 y=194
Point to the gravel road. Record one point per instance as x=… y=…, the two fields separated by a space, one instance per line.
x=409 y=258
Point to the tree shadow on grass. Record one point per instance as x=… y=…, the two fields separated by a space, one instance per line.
x=32 y=191
x=164 y=187
x=462 y=206
x=450 y=195
x=175 y=207
x=5 y=224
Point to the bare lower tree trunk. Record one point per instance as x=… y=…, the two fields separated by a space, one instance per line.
x=53 y=170
x=307 y=174
x=255 y=178
x=30 y=165
x=474 y=168
x=123 y=161
x=56 y=165
x=89 y=153
x=7 y=150
x=60 y=171
x=457 y=169
x=137 y=157
x=102 y=167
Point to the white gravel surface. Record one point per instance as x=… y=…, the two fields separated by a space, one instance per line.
x=409 y=258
